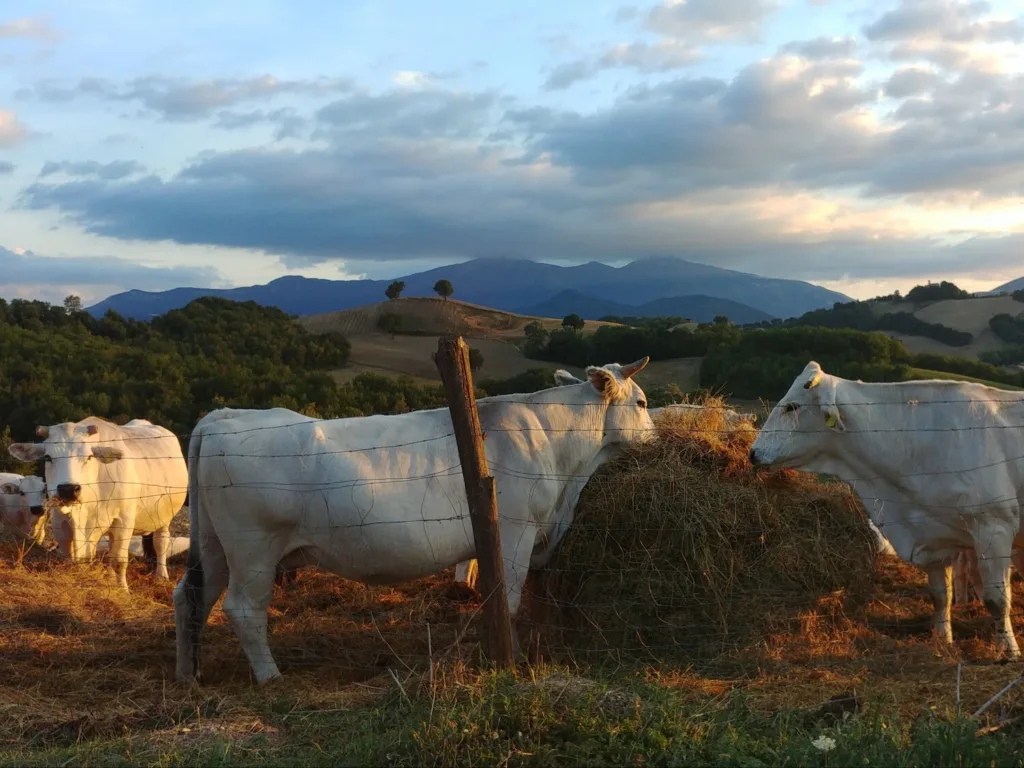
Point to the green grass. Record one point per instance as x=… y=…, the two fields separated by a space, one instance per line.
x=554 y=719
x=925 y=373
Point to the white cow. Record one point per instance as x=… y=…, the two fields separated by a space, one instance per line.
x=381 y=499
x=109 y=478
x=936 y=464
x=23 y=504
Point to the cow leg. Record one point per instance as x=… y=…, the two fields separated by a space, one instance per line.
x=994 y=563
x=149 y=550
x=940 y=583
x=117 y=556
x=517 y=550
x=961 y=579
x=161 y=543
x=215 y=580
x=246 y=604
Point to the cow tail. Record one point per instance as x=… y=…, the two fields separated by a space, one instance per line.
x=194 y=570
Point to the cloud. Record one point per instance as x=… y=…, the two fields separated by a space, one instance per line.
x=682 y=28
x=12 y=130
x=287 y=123
x=180 y=99
x=29 y=28
x=6 y=167
x=23 y=267
x=662 y=56
x=799 y=162
x=823 y=48
x=952 y=34
x=710 y=20
x=118 y=169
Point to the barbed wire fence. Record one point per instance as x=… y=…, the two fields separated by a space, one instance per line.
x=679 y=626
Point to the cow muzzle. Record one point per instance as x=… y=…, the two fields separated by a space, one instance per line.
x=69 y=492
x=753 y=457
x=37 y=511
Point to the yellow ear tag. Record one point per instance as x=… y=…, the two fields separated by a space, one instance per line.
x=830 y=421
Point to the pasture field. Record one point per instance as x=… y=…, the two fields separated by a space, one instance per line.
x=927 y=374
x=773 y=638
x=969 y=315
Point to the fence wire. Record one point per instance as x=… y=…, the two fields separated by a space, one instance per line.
x=645 y=608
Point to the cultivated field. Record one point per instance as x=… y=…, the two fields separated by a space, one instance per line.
x=969 y=315
x=696 y=613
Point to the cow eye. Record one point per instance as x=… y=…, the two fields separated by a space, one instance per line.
x=641 y=403
x=789 y=407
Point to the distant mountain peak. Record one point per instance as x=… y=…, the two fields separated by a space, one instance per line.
x=513 y=285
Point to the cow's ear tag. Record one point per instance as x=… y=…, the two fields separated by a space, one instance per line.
x=830 y=421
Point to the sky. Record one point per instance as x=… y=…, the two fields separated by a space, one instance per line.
x=862 y=146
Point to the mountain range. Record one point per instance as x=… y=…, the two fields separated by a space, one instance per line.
x=517 y=285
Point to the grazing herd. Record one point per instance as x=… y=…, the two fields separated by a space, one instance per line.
x=380 y=499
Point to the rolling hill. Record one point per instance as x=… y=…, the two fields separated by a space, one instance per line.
x=513 y=285
x=491 y=331
x=700 y=309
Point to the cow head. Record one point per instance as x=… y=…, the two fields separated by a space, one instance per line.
x=626 y=419
x=803 y=422
x=73 y=454
x=32 y=490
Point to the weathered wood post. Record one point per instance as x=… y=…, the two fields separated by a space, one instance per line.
x=453 y=365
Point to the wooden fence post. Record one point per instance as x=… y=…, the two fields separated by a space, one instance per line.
x=453 y=365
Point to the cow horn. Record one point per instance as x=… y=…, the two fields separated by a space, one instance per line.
x=92 y=429
x=43 y=432
x=634 y=368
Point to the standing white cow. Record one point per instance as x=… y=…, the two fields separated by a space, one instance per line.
x=936 y=464
x=23 y=504
x=109 y=478
x=381 y=499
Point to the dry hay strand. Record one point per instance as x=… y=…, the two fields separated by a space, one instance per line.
x=679 y=551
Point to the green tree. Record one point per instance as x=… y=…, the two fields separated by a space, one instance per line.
x=73 y=303
x=573 y=321
x=443 y=288
x=389 y=322
x=476 y=359
x=394 y=290
x=533 y=328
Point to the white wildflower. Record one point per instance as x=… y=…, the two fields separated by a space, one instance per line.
x=824 y=743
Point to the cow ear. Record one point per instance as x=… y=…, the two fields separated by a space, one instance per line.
x=106 y=453
x=10 y=489
x=27 y=451
x=563 y=378
x=603 y=381
x=833 y=419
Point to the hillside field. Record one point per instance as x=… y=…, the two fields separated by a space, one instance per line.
x=968 y=315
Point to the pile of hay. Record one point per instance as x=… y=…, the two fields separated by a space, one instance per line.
x=679 y=550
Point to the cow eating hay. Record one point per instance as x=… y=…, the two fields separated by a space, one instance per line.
x=680 y=550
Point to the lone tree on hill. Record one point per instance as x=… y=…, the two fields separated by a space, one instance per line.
x=443 y=288
x=390 y=323
x=73 y=303
x=573 y=321
x=394 y=290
